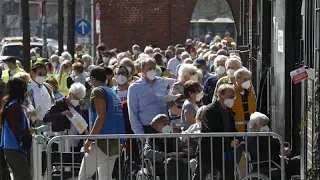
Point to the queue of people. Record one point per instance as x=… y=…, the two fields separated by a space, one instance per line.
x=202 y=86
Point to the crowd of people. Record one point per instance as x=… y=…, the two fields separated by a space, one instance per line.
x=201 y=85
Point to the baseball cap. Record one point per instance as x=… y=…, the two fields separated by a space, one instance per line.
x=10 y=59
x=199 y=62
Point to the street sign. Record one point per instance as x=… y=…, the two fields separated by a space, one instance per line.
x=299 y=75
x=83 y=27
x=83 y=40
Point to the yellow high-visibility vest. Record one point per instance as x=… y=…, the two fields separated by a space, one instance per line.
x=50 y=74
x=6 y=74
x=63 y=87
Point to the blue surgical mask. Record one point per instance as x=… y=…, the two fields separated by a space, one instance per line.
x=29 y=88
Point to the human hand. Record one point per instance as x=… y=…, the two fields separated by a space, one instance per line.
x=87 y=146
x=43 y=128
x=235 y=143
x=66 y=113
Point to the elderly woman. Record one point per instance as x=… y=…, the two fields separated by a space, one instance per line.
x=186 y=72
x=231 y=65
x=210 y=85
x=87 y=61
x=62 y=109
x=259 y=122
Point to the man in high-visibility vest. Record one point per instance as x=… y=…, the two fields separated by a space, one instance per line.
x=11 y=70
x=79 y=52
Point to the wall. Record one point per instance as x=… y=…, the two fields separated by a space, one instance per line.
x=160 y=23
x=212 y=9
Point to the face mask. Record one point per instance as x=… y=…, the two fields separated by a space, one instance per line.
x=166 y=129
x=151 y=55
x=79 y=52
x=121 y=79
x=230 y=73
x=199 y=96
x=54 y=64
x=5 y=66
x=74 y=102
x=135 y=52
x=220 y=70
x=246 y=85
x=29 y=87
x=129 y=69
x=106 y=60
x=33 y=58
x=194 y=78
x=179 y=56
x=265 y=128
x=229 y=103
x=38 y=55
x=40 y=79
x=151 y=74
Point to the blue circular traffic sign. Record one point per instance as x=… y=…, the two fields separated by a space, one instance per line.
x=83 y=27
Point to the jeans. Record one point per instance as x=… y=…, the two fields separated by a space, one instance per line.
x=96 y=159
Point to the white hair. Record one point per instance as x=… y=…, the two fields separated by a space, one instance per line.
x=212 y=56
x=185 y=70
x=113 y=61
x=240 y=72
x=78 y=90
x=148 y=50
x=185 y=55
x=87 y=56
x=188 y=61
x=234 y=60
x=54 y=56
x=66 y=56
x=143 y=55
x=256 y=117
x=120 y=56
x=220 y=58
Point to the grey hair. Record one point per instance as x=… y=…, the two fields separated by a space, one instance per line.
x=66 y=56
x=256 y=118
x=78 y=90
x=220 y=58
x=146 y=60
x=148 y=50
x=87 y=56
x=234 y=60
x=188 y=61
x=185 y=55
x=240 y=72
x=54 y=56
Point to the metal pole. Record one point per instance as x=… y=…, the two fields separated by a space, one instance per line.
x=92 y=31
x=60 y=25
x=44 y=29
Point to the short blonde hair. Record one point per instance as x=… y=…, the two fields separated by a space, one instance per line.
x=240 y=72
x=160 y=118
x=23 y=75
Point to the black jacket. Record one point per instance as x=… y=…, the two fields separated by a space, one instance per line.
x=213 y=122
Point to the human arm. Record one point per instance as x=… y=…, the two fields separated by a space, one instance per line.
x=55 y=113
x=189 y=113
x=133 y=108
x=100 y=108
x=14 y=119
x=150 y=152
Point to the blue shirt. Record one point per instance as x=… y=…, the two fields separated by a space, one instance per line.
x=58 y=95
x=145 y=101
x=206 y=77
x=209 y=87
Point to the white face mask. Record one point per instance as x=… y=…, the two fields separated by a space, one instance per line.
x=199 y=96
x=74 y=102
x=54 y=64
x=121 y=79
x=265 y=129
x=33 y=58
x=38 y=55
x=5 y=66
x=179 y=56
x=135 y=52
x=220 y=70
x=151 y=55
x=194 y=78
x=230 y=73
x=129 y=69
x=229 y=103
x=151 y=74
x=40 y=79
x=106 y=60
x=246 y=85
x=166 y=129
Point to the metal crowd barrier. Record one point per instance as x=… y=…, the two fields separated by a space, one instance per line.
x=175 y=165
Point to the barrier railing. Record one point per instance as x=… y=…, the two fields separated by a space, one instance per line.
x=170 y=156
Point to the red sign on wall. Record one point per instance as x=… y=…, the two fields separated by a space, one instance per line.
x=299 y=75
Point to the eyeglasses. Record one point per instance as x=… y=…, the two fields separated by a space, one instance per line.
x=122 y=73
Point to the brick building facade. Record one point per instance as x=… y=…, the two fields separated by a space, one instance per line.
x=128 y=22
